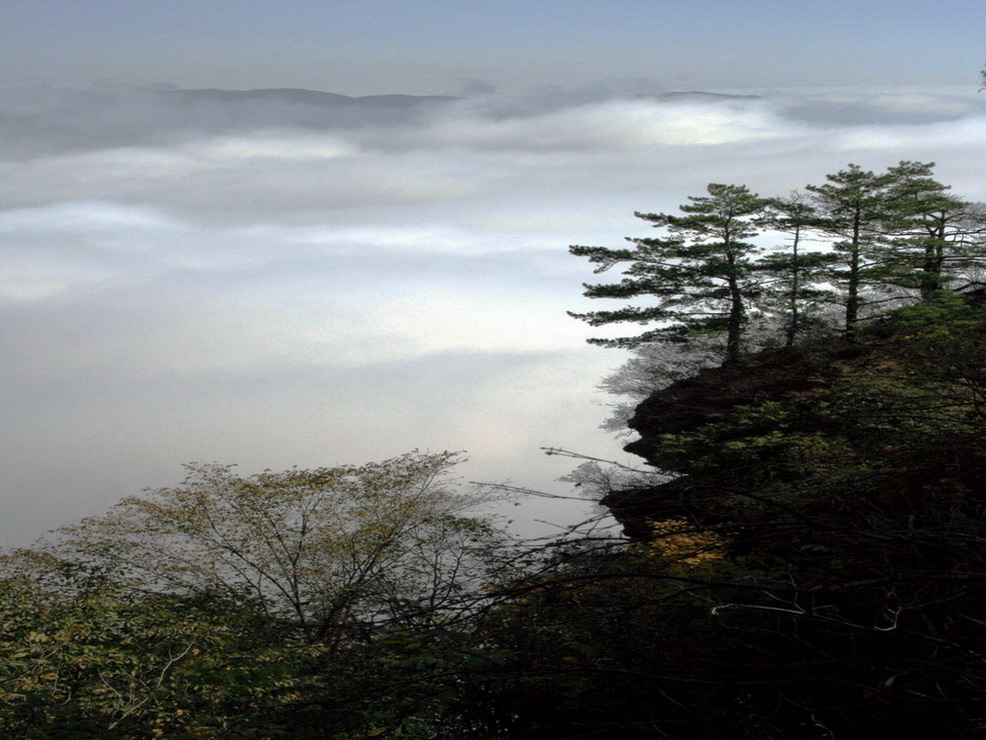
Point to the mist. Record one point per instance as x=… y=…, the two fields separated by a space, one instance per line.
x=277 y=279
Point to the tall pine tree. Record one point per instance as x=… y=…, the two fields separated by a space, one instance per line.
x=936 y=236
x=699 y=278
x=793 y=275
x=854 y=210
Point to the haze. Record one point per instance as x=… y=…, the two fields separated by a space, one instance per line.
x=277 y=280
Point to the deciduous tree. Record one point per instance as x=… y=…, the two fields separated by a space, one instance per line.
x=329 y=549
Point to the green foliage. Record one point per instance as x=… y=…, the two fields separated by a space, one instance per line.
x=329 y=548
x=792 y=279
x=854 y=211
x=910 y=389
x=815 y=566
x=82 y=657
x=278 y=605
x=935 y=237
x=700 y=274
x=890 y=239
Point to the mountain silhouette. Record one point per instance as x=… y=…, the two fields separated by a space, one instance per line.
x=299 y=96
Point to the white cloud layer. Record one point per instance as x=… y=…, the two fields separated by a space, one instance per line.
x=275 y=284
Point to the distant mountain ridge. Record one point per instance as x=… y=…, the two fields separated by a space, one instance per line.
x=701 y=95
x=301 y=96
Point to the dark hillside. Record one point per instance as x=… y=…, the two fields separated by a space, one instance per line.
x=843 y=487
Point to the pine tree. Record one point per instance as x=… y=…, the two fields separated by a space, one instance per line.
x=936 y=235
x=794 y=274
x=853 y=209
x=701 y=274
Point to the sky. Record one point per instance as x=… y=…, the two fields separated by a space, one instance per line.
x=271 y=283
x=437 y=46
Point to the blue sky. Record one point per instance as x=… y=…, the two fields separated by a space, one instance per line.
x=429 y=46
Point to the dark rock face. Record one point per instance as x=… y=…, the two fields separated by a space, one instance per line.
x=636 y=508
x=715 y=392
x=706 y=398
x=891 y=424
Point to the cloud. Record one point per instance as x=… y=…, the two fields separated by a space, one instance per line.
x=618 y=124
x=275 y=283
x=957 y=135
x=848 y=108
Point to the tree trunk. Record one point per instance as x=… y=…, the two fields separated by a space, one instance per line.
x=734 y=325
x=852 y=290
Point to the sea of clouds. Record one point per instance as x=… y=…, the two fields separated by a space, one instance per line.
x=275 y=283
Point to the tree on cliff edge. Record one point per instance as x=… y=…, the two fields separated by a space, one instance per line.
x=855 y=211
x=701 y=274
